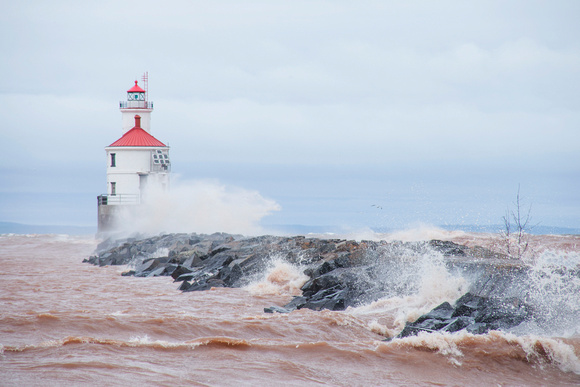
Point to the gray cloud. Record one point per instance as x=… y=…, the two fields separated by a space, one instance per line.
x=414 y=89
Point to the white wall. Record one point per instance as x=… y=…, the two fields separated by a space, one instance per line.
x=130 y=163
x=130 y=159
x=127 y=183
x=129 y=119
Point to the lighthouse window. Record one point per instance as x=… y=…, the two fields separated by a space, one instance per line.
x=113 y=160
x=113 y=188
x=160 y=159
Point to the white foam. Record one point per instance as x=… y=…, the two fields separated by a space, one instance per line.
x=558 y=352
x=281 y=278
x=140 y=339
x=145 y=341
x=537 y=349
x=443 y=343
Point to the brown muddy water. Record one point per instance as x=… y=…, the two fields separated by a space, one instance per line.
x=67 y=323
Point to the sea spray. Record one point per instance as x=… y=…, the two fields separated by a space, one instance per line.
x=416 y=280
x=205 y=206
x=511 y=295
x=423 y=233
x=552 y=287
x=281 y=278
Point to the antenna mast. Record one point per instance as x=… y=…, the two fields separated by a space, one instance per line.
x=145 y=79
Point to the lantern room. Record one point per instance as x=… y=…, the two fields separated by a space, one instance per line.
x=137 y=103
x=136 y=93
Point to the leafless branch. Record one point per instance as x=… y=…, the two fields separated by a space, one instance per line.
x=516 y=229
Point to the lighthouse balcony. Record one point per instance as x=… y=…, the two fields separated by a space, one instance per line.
x=136 y=105
x=120 y=199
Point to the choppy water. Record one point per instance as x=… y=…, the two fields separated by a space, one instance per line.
x=63 y=322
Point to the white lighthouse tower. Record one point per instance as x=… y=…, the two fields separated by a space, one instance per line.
x=137 y=163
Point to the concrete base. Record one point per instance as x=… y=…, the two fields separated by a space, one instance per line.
x=113 y=218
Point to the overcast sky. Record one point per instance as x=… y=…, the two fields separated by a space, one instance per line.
x=433 y=111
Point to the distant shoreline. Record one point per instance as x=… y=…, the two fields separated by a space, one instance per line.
x=20 y=228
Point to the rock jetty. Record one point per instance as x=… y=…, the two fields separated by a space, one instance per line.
x=341 y=273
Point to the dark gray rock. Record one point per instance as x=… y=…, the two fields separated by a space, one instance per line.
x=186 y=276
x=474 y=313
x=458 y=323
x=277 y=309
x=442 y=312
x=296 y=303
x=478 y=328
x=448 y=248
x=179 y=271
x=342 y=273
x=192 y=260
x=432 y=324
x=232 y=275
x=156 y=273
x=147 y=266
x=184 y=285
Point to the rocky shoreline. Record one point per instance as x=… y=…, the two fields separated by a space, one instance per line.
x=341 y=273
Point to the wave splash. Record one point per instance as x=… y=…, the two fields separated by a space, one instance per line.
x=203 y=206
x=460 y=346
x=415 y=283
x=419 y=282
x=552 y=286
x=279 y=278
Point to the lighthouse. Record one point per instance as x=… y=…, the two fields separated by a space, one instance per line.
x=137 y=163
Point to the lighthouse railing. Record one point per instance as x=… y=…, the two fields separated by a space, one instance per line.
x=115 y=200
x=136 y=104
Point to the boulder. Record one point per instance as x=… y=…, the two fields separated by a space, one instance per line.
x=441 y=312
x=277 y=309
x=179 y=270
x=473 y=313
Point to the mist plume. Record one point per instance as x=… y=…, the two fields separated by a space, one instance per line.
x=202 y=206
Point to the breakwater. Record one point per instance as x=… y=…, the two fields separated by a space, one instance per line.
x=340 y=274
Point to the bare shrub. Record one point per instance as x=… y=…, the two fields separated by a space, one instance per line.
x=515 y=235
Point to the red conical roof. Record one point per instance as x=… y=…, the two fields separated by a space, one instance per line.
x=136 y=88
x=137 y=137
